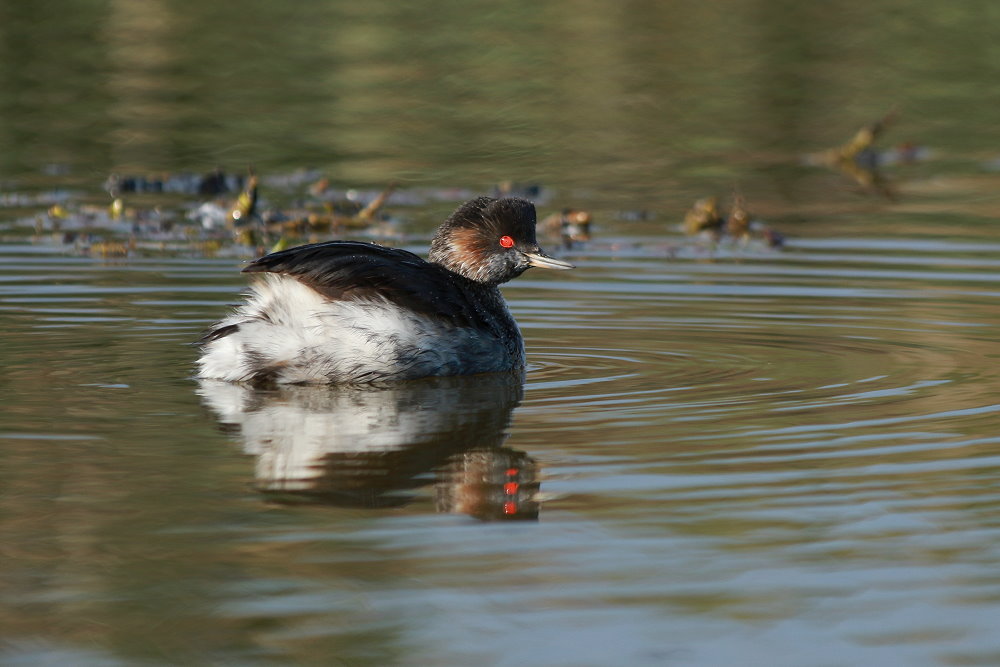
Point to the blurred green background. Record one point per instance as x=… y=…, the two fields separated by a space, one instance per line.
x=632 y=98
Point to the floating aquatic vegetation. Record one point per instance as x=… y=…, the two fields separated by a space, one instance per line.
x=305 y=221
x=862 y=162
x=738 y=220
x=212 y=184
x=246 y=204
x=571 y=225
x=703 y=217
x=705 y=221
x=210 y=215
x=219 y=213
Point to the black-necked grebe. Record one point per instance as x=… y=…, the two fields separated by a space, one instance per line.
x=349 y=311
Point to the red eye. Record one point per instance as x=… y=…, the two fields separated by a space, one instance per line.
x=506 y=242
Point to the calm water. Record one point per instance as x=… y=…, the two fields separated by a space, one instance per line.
x=719 y=455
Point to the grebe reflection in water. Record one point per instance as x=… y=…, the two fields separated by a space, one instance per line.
x=373 y=446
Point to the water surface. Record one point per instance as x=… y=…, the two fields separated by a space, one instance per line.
x=728 y=454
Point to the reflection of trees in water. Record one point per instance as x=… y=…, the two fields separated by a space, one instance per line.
x=156 y=84
x=370 y=446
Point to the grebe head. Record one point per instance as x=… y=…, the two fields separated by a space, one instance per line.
x=491 y=241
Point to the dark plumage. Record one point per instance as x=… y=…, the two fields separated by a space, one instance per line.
x=343 y=270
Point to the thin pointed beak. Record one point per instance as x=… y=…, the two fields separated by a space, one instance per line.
x=543 y=261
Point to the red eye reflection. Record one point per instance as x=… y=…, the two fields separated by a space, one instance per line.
x=506 y=242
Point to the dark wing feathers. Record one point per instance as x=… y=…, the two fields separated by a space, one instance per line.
x=358 y=270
